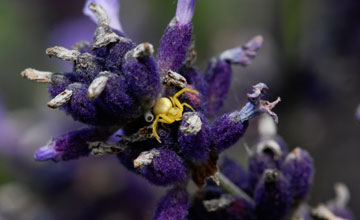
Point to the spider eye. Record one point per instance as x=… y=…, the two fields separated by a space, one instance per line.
x=162 y=106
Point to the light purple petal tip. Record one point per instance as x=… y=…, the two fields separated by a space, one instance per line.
x=112 y=8
x=185 y=11
x=45 y=153
x=243 y=55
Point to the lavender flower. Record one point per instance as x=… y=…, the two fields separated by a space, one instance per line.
x=162 y=104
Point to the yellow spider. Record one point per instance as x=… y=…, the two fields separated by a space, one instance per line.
x=169 y=110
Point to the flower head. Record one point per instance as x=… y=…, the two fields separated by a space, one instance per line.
x=114 y=86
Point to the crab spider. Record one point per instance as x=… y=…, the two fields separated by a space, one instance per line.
x=169 y=109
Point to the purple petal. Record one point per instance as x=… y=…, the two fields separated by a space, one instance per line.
x=45 y=153
x=185 y=11
x=112 y=8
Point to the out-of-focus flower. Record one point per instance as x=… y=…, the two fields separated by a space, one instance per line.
x=275 y=186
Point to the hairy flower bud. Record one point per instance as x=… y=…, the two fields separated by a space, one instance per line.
x=71 y=145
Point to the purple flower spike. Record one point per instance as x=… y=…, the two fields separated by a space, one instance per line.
x=299 y=170
x=161 y=167
x=141 y=72
x=194 y=136
x=272 y=196
x=112 y=8
x=71 y=145
x=185 y=11
x=174 y=205
x=177 y=38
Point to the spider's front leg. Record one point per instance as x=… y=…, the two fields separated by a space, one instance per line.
x=180 y=105
x=163 y=119
x=185 y=90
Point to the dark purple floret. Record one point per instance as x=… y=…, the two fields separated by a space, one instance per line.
x=299 y=170
x=194 y=137
x=71 y=145
x=81 y=108
x=174 y=46
x=114 y=59
x=236 y=174
x=226 y=131
x=88 y=66
x=115 y=99
x=141 y=72
x=174 y=205
x=59 y=82
x=218 y=76
x=163 y=168
x=272 y=196
x=128 y=156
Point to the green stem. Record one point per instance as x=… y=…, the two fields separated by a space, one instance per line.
x=232 y=189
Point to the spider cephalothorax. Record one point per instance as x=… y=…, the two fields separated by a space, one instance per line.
x=169 y=109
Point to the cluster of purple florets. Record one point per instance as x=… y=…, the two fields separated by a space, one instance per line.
x=274 y=186
x=113 y=87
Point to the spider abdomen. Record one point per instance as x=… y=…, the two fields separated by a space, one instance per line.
x=162 y=106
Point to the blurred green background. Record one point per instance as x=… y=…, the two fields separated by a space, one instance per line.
x=310 y=58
